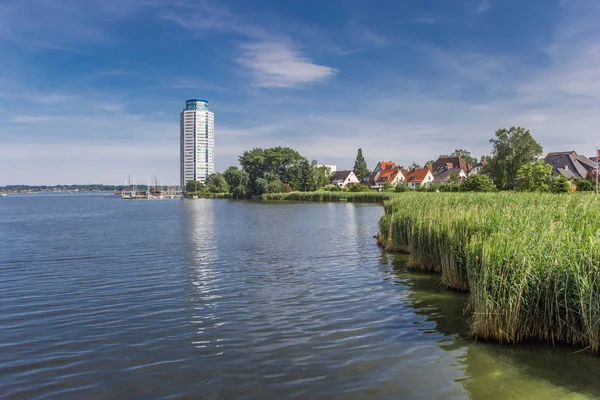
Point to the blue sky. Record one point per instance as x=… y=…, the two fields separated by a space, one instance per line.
x=90 y=91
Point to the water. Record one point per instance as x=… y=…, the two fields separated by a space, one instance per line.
x=215 y=299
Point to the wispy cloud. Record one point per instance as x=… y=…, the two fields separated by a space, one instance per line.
x=484 y=6
x=272 y=59
x=278 y=65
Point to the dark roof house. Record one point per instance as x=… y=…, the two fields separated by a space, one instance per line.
x=443 y=163
x=570 y=164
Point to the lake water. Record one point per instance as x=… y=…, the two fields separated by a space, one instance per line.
x=215 y=299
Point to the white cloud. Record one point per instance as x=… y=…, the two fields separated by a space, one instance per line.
x=484 y=6
x=279 y=65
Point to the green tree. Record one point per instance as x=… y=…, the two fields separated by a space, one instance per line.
x=414 y=165
x=194 y=186
x=238 y=182
x=534 y=177
x=308 y=176
x=281 y=161
x=512 y=149
x=269 y=183
x=360 y=166
x=323 y=176
x=216 y=183
x=465 y=155
x=478 y=183
x=560 y=184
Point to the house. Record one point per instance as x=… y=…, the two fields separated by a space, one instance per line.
x=445 y=175
x=570 y=164
x=385 y=172
x=477 y=168
x=344 y=178
x=419 y=177
x=444 y=167
x=449 y=162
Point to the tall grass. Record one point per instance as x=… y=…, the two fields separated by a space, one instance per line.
x=530 y=261
x=325 y=196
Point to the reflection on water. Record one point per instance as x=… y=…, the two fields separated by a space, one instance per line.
x=493 y=371
x=240 y=300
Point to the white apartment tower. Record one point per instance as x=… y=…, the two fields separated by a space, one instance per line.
x=197 y=152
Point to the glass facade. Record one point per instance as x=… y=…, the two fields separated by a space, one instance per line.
x=196 y=105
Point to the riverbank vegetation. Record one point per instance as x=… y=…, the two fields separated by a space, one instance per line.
x=328 y=196
x=529 y=261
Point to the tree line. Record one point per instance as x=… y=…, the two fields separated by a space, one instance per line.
x=514 y=164
x=263 y=171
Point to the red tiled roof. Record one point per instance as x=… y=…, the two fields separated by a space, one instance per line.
x=389 y=172
x=417 y=175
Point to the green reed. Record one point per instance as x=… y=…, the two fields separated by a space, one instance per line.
x=530 y=261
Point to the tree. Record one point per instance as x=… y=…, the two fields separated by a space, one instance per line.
x=194 y=186
x=414 y=165
x=307 y=180
x=281 y=161
x=478 y=183
x=387 y=186
x=216 y=183
x=323 y=176
x=512 y=149
x=238 y=182
x=360 y=166
x=560 y=185
x=465 y=155
x=270 y=183
x=534 y=177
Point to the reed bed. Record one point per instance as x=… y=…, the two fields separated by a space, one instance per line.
x=325 y=196
x=529 y=261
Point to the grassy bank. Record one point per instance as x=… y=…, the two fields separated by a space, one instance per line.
x=530 y=261
x=323 y=196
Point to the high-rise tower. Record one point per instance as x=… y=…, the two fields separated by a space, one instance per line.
x=197 y=139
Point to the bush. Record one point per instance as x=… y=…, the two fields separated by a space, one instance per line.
x=401 y=187
x=332 y=188
x=387 y=187
x=444 y=187
x=478 y=183
x=560 y=185
x=583 y=185
x=358 y=188
x=285 y=188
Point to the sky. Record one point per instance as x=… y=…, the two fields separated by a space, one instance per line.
x=91 y=91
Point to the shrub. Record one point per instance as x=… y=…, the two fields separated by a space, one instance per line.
x=332 y=188
x=401 y=187
x=583 y=185
x=478 y=183
x=560 y=185
x=388 y=187
x=358 y=188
